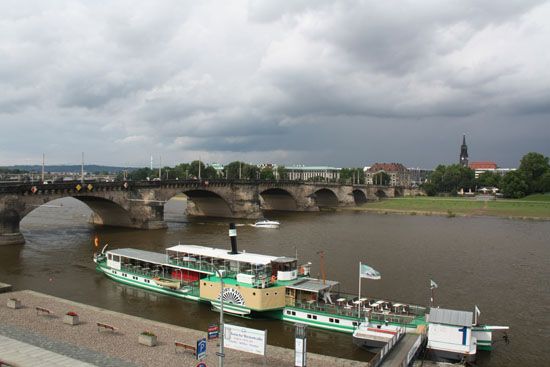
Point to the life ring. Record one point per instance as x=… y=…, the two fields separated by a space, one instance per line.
x=273 y=279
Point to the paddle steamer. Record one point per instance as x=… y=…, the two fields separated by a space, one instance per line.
x=255 y=285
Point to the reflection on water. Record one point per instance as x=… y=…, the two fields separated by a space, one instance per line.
x=501 y=265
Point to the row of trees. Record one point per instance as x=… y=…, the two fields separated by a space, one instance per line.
x=196 y=169
x=532 y=176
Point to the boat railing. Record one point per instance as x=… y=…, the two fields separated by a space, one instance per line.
x=195 y=265
x=348 y=308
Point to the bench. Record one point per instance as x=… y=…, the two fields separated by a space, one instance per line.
x=186 y=347
x=43 y=311
x=101 y=325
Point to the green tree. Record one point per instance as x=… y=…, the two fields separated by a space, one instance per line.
x=488 y=179
x=533 y=167
x=267 y=174
x=140 y=174
x=450 y=179
x=352 y=175
x=513 y=185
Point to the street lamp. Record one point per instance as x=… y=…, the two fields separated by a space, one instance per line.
x=222 y=331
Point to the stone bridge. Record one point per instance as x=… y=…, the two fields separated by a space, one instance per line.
x=141 y=204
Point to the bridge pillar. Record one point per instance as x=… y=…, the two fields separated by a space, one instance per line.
x=10 y=218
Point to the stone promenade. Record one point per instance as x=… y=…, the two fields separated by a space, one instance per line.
x=86 y=344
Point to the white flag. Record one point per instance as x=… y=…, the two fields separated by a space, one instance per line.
x=433 y=284
x=366 y=271
x=478 y=312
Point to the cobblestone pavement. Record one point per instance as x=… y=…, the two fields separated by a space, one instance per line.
x=121 y=348
x=59 y=347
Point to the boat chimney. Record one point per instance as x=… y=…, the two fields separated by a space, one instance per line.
x=233 y=236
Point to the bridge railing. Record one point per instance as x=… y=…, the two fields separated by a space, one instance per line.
x=24 y=187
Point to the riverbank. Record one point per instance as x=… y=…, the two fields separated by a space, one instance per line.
x=450 y=207
x=88 y=344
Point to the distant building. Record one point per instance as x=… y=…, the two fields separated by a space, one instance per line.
x=399 y=174
x=463 y=152
x=487 y=166
x=419 y=175
x=218 y=167
x=304 y=173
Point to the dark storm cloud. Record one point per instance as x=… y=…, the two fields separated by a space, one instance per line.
x=314 y=82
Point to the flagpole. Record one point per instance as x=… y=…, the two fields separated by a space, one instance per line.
x=359 y=303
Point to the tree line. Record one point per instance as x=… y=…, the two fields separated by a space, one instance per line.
x=197 y=169
x=532 y=176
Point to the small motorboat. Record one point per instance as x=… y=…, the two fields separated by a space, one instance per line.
x=266 y=223
x=372 y=336
x=166 y=283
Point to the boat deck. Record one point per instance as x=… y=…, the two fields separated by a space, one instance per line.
x=376 y=310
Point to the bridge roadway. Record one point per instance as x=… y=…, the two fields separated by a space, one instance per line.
x=140 y=204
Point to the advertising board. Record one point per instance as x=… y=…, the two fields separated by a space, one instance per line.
x=245 y=339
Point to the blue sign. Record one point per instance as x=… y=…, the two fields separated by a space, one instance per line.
x=201 y=348
x=201 y=364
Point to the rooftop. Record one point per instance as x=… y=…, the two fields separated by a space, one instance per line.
x=450 y=317
x=219 y=253
x=312 y=285
x=387 y=167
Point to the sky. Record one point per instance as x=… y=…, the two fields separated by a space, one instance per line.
x=341 y=83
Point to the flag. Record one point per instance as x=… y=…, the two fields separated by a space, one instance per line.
x=366 y=271
x=96 y=241
x=478 y=312
x=433 y=284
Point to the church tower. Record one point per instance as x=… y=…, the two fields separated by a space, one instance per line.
x=464 y=152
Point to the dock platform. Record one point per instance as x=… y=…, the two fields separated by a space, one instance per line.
x=5 y=287
x=403 y=352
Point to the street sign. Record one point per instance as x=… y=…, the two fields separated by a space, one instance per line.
x=78 y=187
x=213 y=331
x=125 y=185
x=34 y=189
x=201 y=364
x=201 y=348
x=90 y=187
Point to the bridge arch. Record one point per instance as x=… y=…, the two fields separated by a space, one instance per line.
x=106 y=212
x=380 y=194
x=277 y=199
x=325 y=198
x=207 y=203
x=359 y=197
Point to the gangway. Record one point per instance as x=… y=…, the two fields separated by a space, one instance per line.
x=401 y=354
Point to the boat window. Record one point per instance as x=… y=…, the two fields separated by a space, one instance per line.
x=116 y=258
x=293 y=313
x=355 y=323
x=337 y=321
x=309 y=316
x=331 y=319
x=110 y=257
x=314 y=317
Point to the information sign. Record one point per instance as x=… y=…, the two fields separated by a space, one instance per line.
x=201 y=348
x=244 y=339
x=213 y=331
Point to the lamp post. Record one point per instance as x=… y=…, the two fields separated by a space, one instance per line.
x=220 y=353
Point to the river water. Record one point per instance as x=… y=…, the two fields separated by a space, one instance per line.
x=500 y=265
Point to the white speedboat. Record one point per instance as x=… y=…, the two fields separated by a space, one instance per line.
x=265 y=223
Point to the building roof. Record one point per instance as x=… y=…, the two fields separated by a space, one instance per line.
x=450 y=317
x=219 y=253
x=387 y=167
x=483 y=165
x=312 y=285
x=312 y=168
x=147 y=256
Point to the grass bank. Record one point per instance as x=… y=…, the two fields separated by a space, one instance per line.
x=531 y=207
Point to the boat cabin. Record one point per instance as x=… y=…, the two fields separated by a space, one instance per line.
x=255 y=270
x=309 y=291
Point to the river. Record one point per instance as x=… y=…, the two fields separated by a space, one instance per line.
x=500 y=265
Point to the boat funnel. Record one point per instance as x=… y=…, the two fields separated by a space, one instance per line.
x=233 y=236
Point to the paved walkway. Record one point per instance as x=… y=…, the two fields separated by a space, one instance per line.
x=104 y=348
x=17 y=343
x=17 y=353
